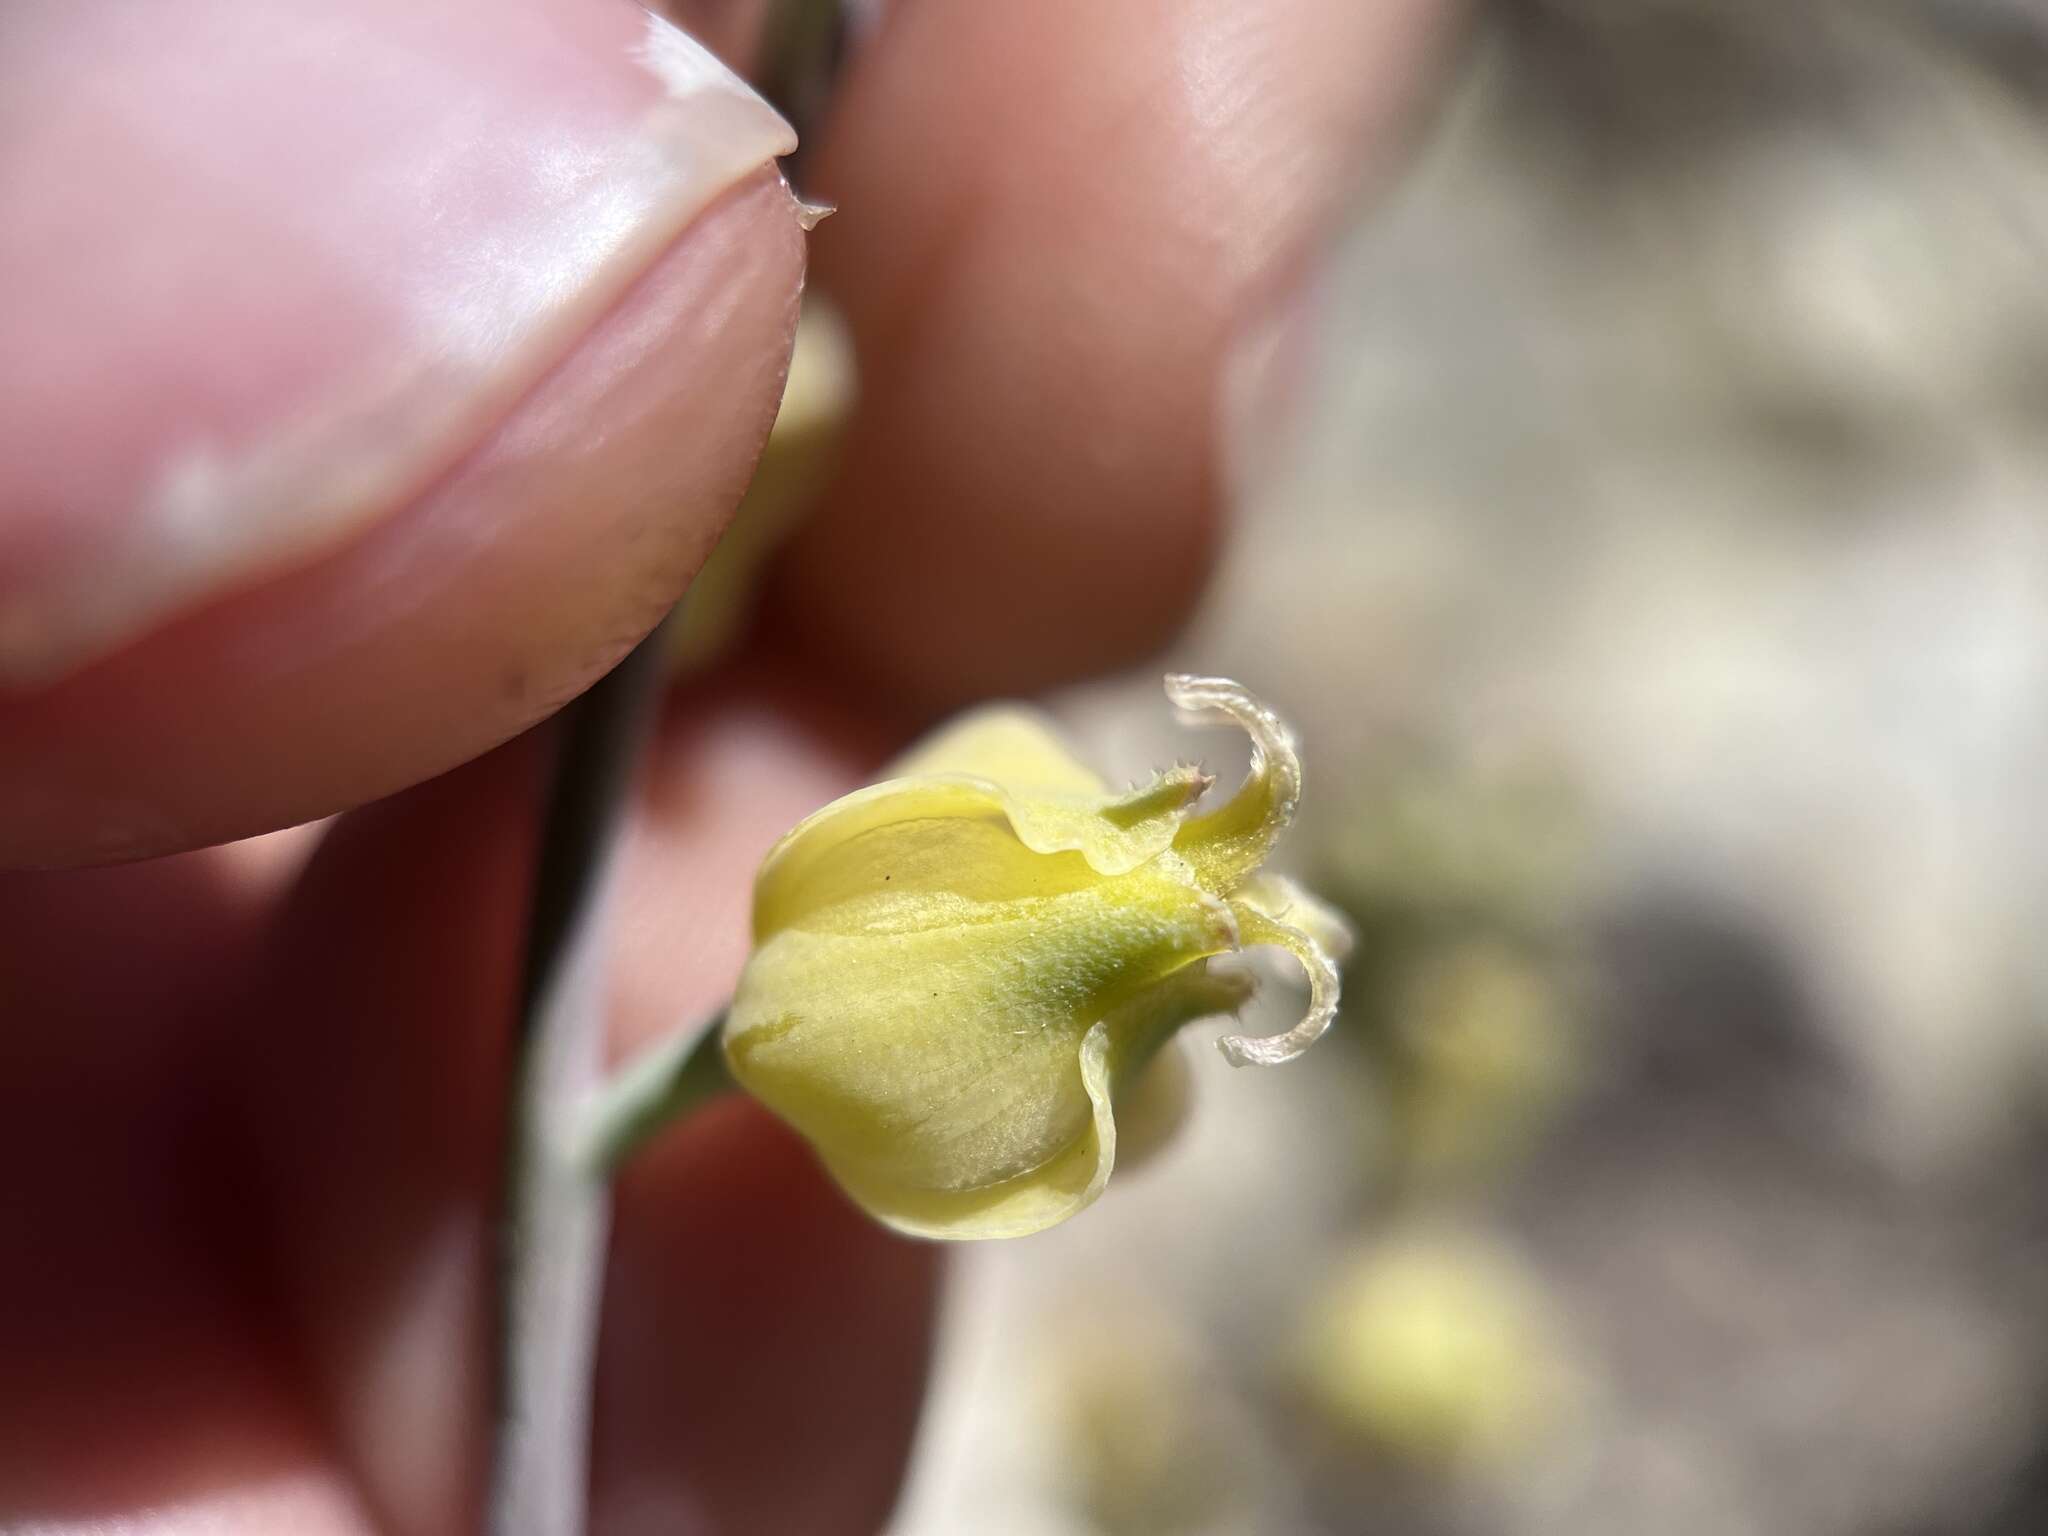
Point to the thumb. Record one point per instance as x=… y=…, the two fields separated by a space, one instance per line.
x=376 y=376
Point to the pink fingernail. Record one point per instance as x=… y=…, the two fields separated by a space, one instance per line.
x=268 y=269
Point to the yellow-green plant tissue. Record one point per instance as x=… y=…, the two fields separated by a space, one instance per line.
x=958 y=973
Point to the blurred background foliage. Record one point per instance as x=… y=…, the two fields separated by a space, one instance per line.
x=1645 y=529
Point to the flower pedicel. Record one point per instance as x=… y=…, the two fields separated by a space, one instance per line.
x=960 y=971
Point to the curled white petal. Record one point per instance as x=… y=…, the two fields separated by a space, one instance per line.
x=1229 y=842
x=1276 y=762
x=1324 y=991
x=1286 y=902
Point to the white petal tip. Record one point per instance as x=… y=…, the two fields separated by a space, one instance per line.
x=1272 y=789
x=1235 y=1051
x=1194 y=694
x=1325 y=987
x=1264 y=1050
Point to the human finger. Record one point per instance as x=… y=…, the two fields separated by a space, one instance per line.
x=374 y=380
x=1054 y=220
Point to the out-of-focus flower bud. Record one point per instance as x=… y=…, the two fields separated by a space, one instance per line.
x=1435 y=1348
x=959 y=972
x=802 y=449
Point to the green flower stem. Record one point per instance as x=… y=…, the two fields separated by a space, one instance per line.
x=555 y=1218
x=557 y=1206
x=664 y=1084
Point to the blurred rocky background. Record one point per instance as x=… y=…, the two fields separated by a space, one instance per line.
x=1646 y=528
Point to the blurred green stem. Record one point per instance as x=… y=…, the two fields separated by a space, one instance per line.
x=555 y=1216
x=658 y=1088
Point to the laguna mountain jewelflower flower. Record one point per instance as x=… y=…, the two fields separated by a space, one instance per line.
x=958 y=973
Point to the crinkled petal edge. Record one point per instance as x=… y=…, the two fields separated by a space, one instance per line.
x=1115 y=1054
x=1018 y=1207
x=1115 y=835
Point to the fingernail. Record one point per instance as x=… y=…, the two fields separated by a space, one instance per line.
x=270 y=272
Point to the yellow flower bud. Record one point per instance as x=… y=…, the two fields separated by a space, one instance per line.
x=959 y=972
x=1437 y=1347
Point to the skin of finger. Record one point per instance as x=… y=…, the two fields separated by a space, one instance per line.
x=139 y=1391
x=1043 y=311
x=449 y=627
x=270 y=270
x=369 y=1079
x=766 y=1345
x=754 y=1321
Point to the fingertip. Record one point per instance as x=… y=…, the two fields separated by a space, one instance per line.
x=447 y=628
x=368 y=1099
x=1031 y=488
x=366 y=235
